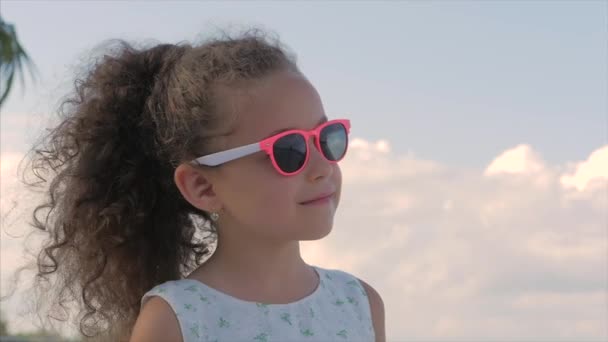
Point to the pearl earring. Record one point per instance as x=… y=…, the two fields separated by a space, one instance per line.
x=215 y=216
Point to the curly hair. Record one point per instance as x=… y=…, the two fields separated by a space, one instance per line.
x=115 y=221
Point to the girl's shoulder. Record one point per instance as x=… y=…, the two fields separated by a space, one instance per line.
x=340 y=279
x=174 y=292
x=156 y=322
x=355 y=290
x=158 y=318
x=171 y=286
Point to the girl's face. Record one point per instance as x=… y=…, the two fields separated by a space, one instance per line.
x=252 y=194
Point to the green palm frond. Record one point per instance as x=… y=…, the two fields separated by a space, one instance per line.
x=12 y=59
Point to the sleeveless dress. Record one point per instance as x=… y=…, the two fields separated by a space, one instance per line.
x=338 y=310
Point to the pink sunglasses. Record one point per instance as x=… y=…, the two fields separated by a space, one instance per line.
x=288 y=150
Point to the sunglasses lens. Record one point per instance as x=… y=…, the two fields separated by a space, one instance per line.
x=333 y=141
x=290 y=152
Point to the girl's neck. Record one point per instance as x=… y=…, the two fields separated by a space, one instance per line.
x=258 y=271
x=259 y=262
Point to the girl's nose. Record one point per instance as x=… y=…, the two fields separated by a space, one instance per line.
x=318 y=166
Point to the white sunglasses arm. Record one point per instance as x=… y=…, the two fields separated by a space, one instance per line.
x=228 y=155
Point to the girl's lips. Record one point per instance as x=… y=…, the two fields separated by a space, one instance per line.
x=319 y=199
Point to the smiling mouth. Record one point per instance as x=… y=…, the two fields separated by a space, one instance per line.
x=319 y=200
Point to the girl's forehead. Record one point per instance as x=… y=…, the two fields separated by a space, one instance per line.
x=283 y=100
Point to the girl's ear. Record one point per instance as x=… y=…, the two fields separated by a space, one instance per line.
x=196 y=187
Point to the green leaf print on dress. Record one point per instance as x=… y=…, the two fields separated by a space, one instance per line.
x=353 y=283
x=223 y=323
x=263 y=307
x=287 y=318
x=191 y=288
x=194 y=329
x=342 y=333
x=189 y=307
x=356 y=284
x=263 y=337
x=307 y=332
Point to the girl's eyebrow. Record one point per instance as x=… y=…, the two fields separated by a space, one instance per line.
x=323 y=120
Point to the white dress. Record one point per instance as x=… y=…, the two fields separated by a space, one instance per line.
x=338 y=310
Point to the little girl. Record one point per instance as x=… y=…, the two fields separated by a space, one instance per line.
x=157 y=144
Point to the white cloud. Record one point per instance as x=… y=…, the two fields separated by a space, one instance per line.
x=366 y=150
x=466 y=254
x=368 y=162
x=593 y=171
x=521 y=159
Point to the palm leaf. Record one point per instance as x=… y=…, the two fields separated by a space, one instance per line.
x=12 y=59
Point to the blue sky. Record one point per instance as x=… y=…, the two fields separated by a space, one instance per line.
x=479 y=155
x=453 y=81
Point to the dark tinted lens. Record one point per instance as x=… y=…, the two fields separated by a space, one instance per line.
x=290 y=152
x=333 y=141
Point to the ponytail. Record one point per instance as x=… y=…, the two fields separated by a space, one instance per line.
x=118 y=225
